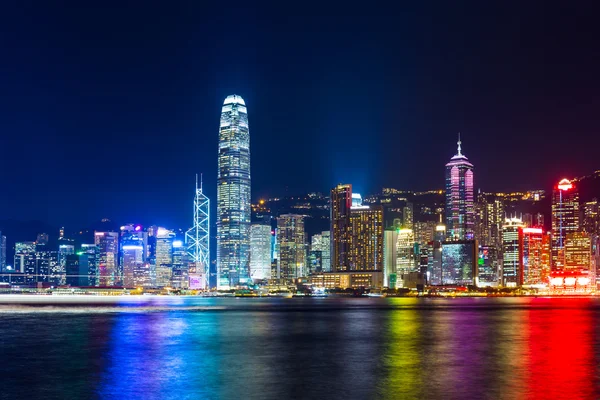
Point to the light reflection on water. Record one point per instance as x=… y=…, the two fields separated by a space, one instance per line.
x=191 y=348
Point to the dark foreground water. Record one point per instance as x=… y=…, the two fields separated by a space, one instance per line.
x=195 y=348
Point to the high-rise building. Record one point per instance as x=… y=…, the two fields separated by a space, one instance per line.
x=512 y=271
x=133 y=256
x=108 y=257
x=76 y=273
x=233 y=195
x=89 y=262
x=531 y=242
x=459 y=262
x=390 y=257
x=197 y=238
x=59 y=272
x=181 y=263
x=578 y=251
x=164 y=256
x=565 y=219
x=366 y=238
x=488 y=266
x=260 y=252
x=292 y=246
x=405 y=250
x=42 y=238
x=489 y=219
x=319 y=254
x=341 y=204
x=424 y=232
x=459 y=197
x=24 y=261
x=46 y=261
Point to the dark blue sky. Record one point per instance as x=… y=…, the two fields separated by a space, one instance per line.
x=109 y=110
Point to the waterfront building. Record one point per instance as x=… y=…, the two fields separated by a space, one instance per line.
x=488 y=266
x=108 y=256
x=260 y=252
x=366 y=238
x=347 y=279
x=565 y=219
x=59 y=272
x=459 y=262
x=321 y=243
x=197 y=238
x=132 y=256
x=291 y=247
x=390 y=257
x=341 y=204
x=459 y=197
x=233 y=195
x=578 y=251
x=46 y=261
x=512 y=269
x=531 y=243
x=590 y=221
x=89 y=258
x=76 y=273
x=405 y=251
x=181 y=263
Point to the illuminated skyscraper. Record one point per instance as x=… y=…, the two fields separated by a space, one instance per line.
x=512 y=269
x=197 y=238
x=260 y=252
x=134 y=243
x=531 y=242
x=292 y=246
x=58 y=273
x=320 y=250
x=108 y=255
x=565 y=219
x=459 y=197
x=233 y=195
x=88 y=261
x=341 y=203
x=578 y=251
x=366 y=238
x=164 y=256
x=591 y=217
x=405 y=251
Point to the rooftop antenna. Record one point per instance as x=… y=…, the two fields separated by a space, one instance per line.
x=459 y=143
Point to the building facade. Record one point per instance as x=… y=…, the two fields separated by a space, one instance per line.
x=291 y=246
x=459 y=197
x=260 y=252
x=341 y=204
x=565 y=219
x=233 y=195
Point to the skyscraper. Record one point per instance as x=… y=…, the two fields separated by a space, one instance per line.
x=531 y=242
x=197 y=238
x=108 y=256
x=512 y=269
x=233 y=195
x=260 y=251
x=459 y=197
x=2 y=253
x=565 y=219
x=341 y=203
x=366 y=238
x=292 y=246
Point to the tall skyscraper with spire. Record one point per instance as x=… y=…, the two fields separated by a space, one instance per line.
x=459 y=197
x=233 y=195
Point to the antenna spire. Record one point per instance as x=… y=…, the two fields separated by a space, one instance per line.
x=459 y=143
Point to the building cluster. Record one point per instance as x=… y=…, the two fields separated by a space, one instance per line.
x=436 y=240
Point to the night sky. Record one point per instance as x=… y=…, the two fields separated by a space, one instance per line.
x=110 y=110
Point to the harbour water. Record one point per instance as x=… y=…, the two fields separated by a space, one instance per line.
x=301 y=348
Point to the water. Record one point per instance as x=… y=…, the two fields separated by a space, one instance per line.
x=355 y=348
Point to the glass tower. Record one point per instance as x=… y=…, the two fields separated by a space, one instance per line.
x=460 y=218
x=233 y=195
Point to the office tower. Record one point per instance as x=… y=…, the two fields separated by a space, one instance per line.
x=108 y=257
x=164 y=256
x=42 y=238
x=390 y=257
x=435 y=255
x=181 y=264
x=405 y=251
x=233 y=195
x=2 y=253
x=366 y=238
x=565 y=219
x=512 y=271
x=89 y=263
x=46 y=261
x=319 y=255
x=459 y=262
x=292 y=246
x=197 y=238
x=133 y=251
x=531 y=243
x=24 y=261
x=341 y=203
x=578 y=251
x=260 y=252
x=590 y=221
x=488 y=266
x=58 y=274
x=356 y=200
x=459 y=197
